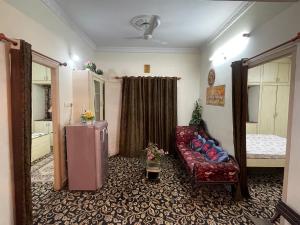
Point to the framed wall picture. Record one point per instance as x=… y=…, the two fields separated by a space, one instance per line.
x=211 y=77
x=215 y=95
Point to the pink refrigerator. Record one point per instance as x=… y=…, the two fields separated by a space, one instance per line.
x=87 y=155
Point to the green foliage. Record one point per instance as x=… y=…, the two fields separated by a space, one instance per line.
x=197 y=115
x=92 y=67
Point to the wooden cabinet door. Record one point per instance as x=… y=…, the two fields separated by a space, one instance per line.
x=270 y=72
x=254 y=75
x=284 y=72
x=282 y=110
x=267 y=110
x=38 y=72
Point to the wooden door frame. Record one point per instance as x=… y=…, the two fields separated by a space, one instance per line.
x=289 y=50
x=57 y=137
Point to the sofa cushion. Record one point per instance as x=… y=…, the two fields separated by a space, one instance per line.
x=208 y=144
x=197 y=143
x=216 y=154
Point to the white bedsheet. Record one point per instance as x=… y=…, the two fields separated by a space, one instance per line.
x=265 y=146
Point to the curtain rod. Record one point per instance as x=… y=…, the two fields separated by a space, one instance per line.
x=47 y=57
x=4 y=38
x=278 y=46
x=178 y=78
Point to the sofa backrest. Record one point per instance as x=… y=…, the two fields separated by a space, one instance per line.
x=184 y=134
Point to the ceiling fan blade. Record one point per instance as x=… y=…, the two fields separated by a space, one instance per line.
x=153 y=23
x=134 y=38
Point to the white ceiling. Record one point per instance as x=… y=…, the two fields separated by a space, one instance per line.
x=184 y=23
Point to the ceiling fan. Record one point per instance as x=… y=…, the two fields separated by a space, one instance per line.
x=147 y=24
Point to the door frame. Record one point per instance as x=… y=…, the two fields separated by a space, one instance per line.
x=58 y=141
x=289 y=50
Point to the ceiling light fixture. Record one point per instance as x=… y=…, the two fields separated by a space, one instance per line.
x=75 y=58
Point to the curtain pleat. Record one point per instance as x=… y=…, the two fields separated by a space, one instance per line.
x=239 y=109
x=21 y=66
x=148 y=114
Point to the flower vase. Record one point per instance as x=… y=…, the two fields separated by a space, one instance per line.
x=89 y=122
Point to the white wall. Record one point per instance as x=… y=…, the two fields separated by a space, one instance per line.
x=184 y=65
x=6 y=194
x=57 y=41
x=281 y=28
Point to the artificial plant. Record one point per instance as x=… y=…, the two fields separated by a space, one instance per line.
x=196 y=115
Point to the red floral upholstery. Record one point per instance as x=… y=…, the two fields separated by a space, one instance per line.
x=184 y=134
x=201 y=169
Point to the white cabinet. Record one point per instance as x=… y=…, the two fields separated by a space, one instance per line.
x=284 y=72
x=273 y=97
x=46 y=127
x=88 y=94
x=254 y=75
x=282 y=110
x=274 y=110
x=40 y=74
x=270 y=72
x=267 y=110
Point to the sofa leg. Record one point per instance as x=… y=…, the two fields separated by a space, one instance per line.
x=233 y=190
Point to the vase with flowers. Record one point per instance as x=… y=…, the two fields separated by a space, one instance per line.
x=87 y=117
x=154 y=155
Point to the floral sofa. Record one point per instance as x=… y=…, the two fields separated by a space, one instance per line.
x=201 y=170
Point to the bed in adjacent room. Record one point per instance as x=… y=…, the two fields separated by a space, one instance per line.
x=265 y=150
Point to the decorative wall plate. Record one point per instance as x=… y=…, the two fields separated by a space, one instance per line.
x=211 y=77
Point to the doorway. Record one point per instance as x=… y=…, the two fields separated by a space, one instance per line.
x=271 y=80
x=50 y=163
x=42 y=164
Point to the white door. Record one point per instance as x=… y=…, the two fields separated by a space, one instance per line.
x=97 y=99
x=267 y=110
x=270 y=73
x=254 y=75
x=282 y=110
x=284 y=72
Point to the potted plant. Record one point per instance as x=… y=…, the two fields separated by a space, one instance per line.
x=196 y=115
x=87 y=117
x=92 y=67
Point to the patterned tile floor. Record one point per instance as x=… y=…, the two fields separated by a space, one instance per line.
x=127 y=198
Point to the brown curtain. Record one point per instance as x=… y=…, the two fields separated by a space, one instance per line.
x=240 y=109
x=148 y=114
x=21 y=130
